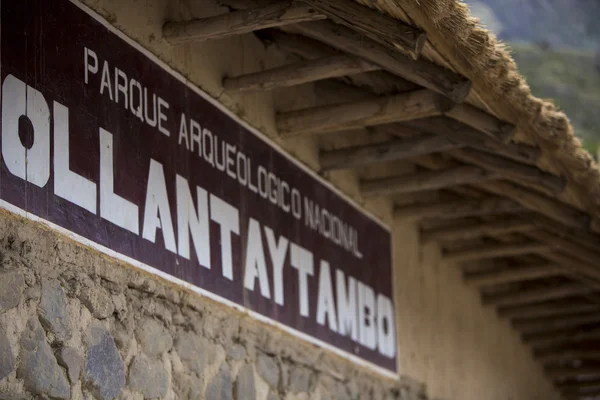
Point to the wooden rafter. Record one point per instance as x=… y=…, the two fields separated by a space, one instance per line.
x=239 y=22
x=494 y=250
x=396 y=149
x=559 y=373
x=569 y=355
x=310 y=49
x=567 y=247
x=427 y=180
x=535 y=295
x=535 y=201
x=482 y=121
x=546 y=324
x=373 y=24
x=371 y=111
x=580 y=386
x=298 y=73
x=512 y=274
x=511 y=169
x=472 y=137
x=471 y=230
x=421 y=72
x=542 y=342
x=461 y=208
x=547 y=310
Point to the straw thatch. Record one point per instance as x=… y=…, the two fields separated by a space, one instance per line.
x=459 y=42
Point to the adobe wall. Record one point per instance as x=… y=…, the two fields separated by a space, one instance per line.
x=77 y=324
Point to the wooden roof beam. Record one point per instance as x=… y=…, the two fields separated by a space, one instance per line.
x=529 y=296
x=482 y=121
x=538 y=202
x=513 y=274
x=575 y=267
x=589 y=385
x=546 y=310
x=472 y=137
x=542 y=342
x=578 y=394
x=546 y=324
x=375 y=25
x=310 y=49
x=494 y=250
x=421 y=72
x=461 y=208
x=397 y=149
x=473 y=230
x=567 y=247
x=569 y=355
x=425 y=180
x=371 y=111
x=239 y=22
x=511 y=169
x=560 y=373
x=298 y=73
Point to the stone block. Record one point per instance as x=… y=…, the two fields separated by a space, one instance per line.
x=245 y=385
x=98 y=301
x=195 y=352
x=154 y=338
x=300 y=380
x=236 y=352
x=7 y=359
x=53 y=310
x=38 y=368
x=268 y=369
x=11 y=290
x=148 y=376
x=70 y=358
x=220 y=386
x=103 y=372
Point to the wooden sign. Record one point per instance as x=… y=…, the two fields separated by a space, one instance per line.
x=102 y=140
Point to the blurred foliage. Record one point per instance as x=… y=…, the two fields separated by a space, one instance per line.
x=571 y=79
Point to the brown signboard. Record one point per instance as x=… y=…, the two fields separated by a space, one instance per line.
x=102 y=140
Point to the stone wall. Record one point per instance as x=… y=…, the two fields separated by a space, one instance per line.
x=77 y=324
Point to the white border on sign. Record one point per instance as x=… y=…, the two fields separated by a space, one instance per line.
x=253 y=314
x=228 y=112
x=259 y=317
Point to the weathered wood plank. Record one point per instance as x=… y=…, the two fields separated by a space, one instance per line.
x=546 y=324
x=398 y=149
x=590 y=385
x=570 y=355
x=427 y=180
x=559 y=373
x=462 y=208
x=540 y=203
x=567 y=247
x=239 y=22
x=372 y=111
x=421 y=72
x=472 y=230
x=512 y=170
x=512 y=274
x=298 y=73
x=549 y=340
x=494 y=250
x=523 y=297
x=379 y=81
x=482 y=121
x=471 y=137
x=373 y=24
x=546 y=310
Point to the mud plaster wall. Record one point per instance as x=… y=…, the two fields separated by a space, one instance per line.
x=76 y=323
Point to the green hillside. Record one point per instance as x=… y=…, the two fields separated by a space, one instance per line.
x=571 y=78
